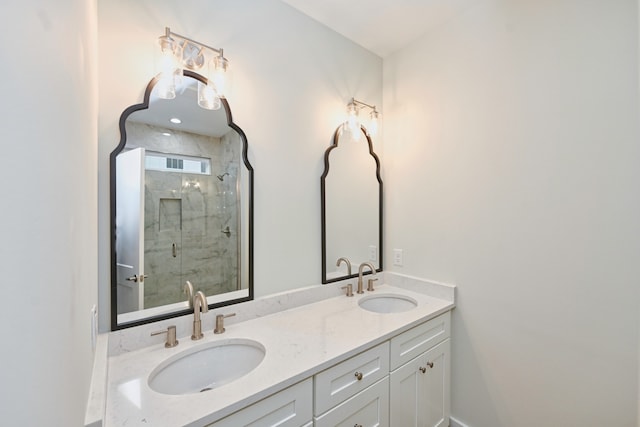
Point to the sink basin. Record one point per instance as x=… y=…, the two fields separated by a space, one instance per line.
x=388 y=303
x=206 y=366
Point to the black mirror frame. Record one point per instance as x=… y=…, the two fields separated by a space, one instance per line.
x=112 y=179
x=323 y=219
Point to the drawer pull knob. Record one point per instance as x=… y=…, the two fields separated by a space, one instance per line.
x=358 y=425
x=358 y=375
x=422 y=369
x=430 y=364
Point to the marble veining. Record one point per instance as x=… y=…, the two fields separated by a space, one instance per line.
x=307 y=332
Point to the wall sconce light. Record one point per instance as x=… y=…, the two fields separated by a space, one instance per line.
x=353 y=108
x=180 y=52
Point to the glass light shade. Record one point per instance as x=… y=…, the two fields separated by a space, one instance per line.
x=352 y=118
x=356 y=133
x=207 y=97
x=166 y=86
x=219 y=75
x=170 y=70
x=374 y=124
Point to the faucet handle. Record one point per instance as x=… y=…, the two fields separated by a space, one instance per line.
x=370 y=284
x=349 y=289
x=220 y=322
x=171 y=336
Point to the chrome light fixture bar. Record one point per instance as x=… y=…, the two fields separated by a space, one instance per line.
x=353 y=108
x=179 y=52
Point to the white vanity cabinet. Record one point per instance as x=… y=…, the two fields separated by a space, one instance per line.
x=291 y=407
x=420 y=387
x=403 y=382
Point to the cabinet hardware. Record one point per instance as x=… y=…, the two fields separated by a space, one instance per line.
x=422 y=369
x=358 y=375
x=136 y=278
x=174 y=250
x=430 y=364
x=358 y=425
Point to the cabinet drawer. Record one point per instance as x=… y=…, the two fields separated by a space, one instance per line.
x=341 y=381
x=291 y=407
x=369 y=408
x=413 y=342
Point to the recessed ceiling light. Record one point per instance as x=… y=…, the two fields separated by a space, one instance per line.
x=175 y=120
x=166 y=134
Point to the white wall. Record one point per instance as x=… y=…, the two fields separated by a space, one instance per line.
x=291 y=81
x=519 y=122
x=48 y=257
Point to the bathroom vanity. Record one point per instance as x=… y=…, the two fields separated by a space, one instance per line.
x=326 y=360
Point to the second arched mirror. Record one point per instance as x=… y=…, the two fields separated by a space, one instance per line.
x=181 y=207
x=351 y=205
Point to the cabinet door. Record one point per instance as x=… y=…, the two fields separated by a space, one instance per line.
x=420 y=390
x=291 y=407
x=369 y=408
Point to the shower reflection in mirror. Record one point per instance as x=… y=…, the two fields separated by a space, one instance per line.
x=186 y=204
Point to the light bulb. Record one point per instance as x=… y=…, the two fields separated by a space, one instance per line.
x=207 y=97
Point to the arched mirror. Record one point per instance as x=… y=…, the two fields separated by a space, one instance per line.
x=351 y=205
x=181 y=208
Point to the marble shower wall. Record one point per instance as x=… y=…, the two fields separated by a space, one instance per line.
x=191 y=211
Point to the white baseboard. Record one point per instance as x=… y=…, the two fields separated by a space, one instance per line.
x=455 y=423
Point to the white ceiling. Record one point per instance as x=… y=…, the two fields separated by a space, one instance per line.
x=381 y=26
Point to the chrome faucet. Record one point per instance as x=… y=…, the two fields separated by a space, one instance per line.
x=340 y=260
x=199 y=303
x=360 y=271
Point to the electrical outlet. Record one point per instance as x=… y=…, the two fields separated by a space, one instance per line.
x=373 y=253
x=94 y=326
x=397 y=257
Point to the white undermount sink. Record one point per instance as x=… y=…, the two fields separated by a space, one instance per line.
x=206 y=366
x=387 y=303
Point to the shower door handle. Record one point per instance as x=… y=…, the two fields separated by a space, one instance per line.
x=174 y=250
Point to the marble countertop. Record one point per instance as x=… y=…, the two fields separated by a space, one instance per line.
x=299 y=342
